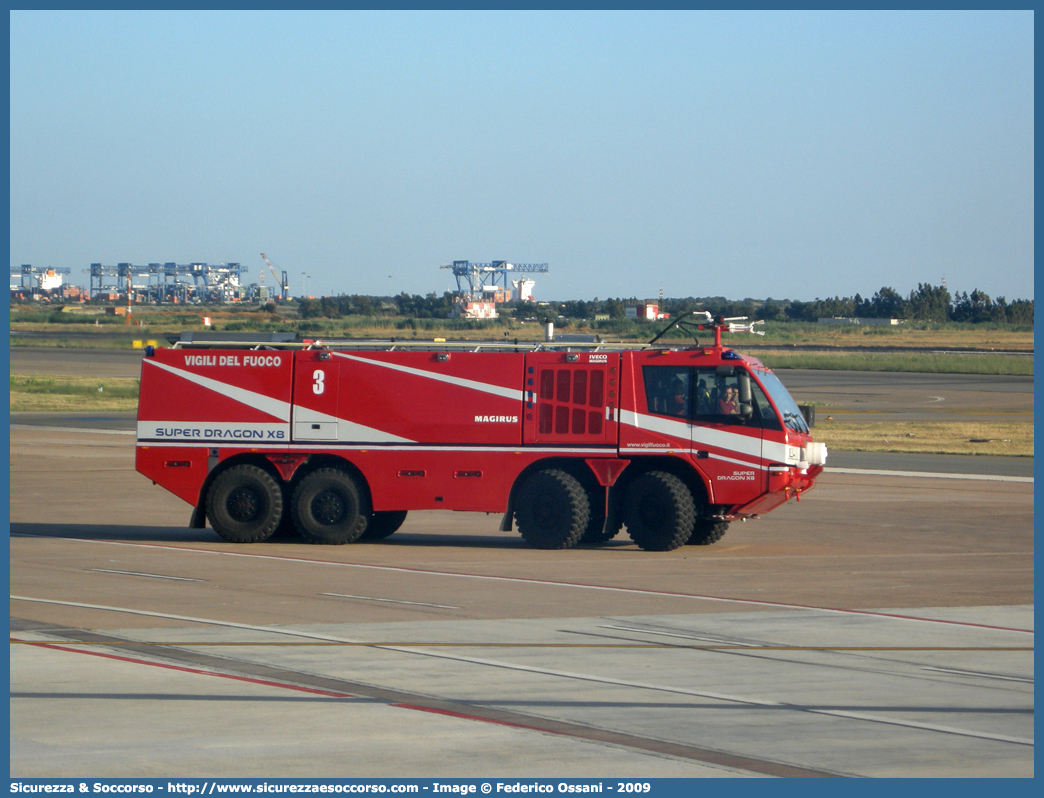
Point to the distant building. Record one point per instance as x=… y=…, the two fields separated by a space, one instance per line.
x=474 y=309
x=649 y=311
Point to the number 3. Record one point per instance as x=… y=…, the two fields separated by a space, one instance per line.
x=319 y=386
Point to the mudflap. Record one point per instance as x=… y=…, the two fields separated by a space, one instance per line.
x=199 y=517
x=505 y=522
x=612 y=509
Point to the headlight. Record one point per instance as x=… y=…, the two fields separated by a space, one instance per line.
x=815 y=454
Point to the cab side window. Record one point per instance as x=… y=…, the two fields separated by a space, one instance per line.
x=667 y=391
x=717 y=398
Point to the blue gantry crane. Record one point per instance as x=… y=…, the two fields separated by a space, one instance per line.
x=477 y=279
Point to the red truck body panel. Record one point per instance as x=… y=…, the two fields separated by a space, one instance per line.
x=453 y=429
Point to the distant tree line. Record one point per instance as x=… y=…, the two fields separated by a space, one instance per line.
x=925 y=303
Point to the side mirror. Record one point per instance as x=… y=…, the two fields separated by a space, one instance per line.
x=746 y=407
x=744 y=388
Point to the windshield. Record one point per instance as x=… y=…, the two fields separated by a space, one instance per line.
x=792 y=416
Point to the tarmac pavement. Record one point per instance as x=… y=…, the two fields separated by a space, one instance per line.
x=881 y=627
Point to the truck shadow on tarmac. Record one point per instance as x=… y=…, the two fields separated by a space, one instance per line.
x=168 y=534
x=138 y=534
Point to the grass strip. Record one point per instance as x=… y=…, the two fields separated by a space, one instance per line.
x=898 y=361
x=943 y=437
x=35 y=393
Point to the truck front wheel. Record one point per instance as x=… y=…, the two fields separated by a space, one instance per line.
x=329 y=507
x=245 y=504
x=552 y=510
x=659 y=511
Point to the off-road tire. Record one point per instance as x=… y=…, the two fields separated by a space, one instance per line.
x=659 y=511
x=383 y=524
x=552 y=510
x=245 y=504
x=329 y=507
x=707 y=531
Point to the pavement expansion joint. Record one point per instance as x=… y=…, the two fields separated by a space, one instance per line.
x=476 y=712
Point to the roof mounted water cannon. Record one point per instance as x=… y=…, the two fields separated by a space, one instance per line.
x=731 y=326
x=707 y=321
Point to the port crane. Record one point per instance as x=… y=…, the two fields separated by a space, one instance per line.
x=284 y=284
x=473 y=279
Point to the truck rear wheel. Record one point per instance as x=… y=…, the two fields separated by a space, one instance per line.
x=330 y=508
x=659 y=511
x=383 y=524
x=705 y=532
x=552 y=510
x=245 y=504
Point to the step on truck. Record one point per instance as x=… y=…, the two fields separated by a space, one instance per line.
x=571 y=442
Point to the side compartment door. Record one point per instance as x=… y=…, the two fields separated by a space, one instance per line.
x=315 y=397
x=571 y=397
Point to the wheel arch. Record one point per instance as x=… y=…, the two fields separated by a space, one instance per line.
x=694 y=479
x=199 y=520
x=317 y=461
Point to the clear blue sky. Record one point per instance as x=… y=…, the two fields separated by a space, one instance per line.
x=790 y=155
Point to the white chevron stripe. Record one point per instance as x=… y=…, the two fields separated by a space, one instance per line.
x=485 y=387
x=741 y=444
x=733 y=460
x=258 y=401
x=348 y=430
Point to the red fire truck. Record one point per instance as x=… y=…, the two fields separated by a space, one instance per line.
x=571 y=441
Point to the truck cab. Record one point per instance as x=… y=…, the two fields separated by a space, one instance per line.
x=730 y=417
